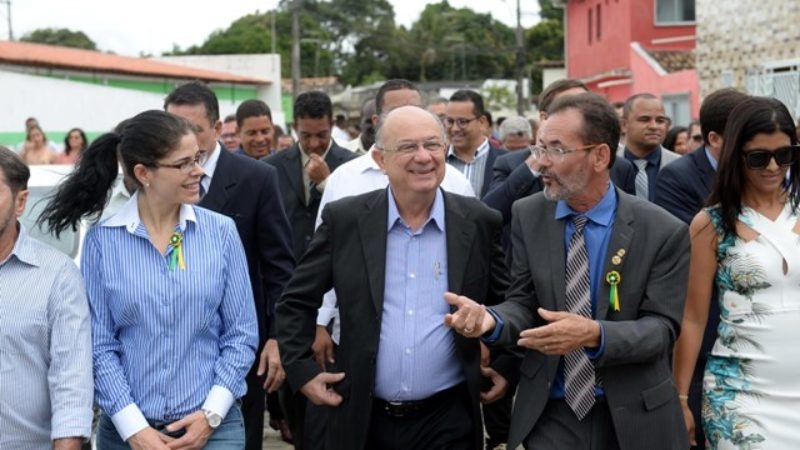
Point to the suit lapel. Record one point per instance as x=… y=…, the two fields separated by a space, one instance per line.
x=223 y=180
x=372 y=224
x=618 y=245
x=460 y=233
x=293 y=167
x=555 y=230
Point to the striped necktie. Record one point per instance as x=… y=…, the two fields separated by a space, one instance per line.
x=579 y=371
x=642 y=186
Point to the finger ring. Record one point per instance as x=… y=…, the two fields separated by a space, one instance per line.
x=467 y=330
x=545 y=347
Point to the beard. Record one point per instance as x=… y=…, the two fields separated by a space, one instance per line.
x=564 y=187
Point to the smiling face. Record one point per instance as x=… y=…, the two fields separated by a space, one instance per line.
x=313 y=134
x=171 y=185
x=256 y=134
x=415 y=173
x=468 y=137
x=769 y=180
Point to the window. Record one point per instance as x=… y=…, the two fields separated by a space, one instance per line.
x=674 y=11
x=590 y=25
x=598 y=22
x=678 y=109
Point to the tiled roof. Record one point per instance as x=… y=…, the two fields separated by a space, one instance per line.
x=674 y=60
x=49 y=56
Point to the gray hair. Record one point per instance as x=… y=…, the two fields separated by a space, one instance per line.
x=515 y=125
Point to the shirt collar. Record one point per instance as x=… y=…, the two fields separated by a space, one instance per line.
x=436 y=215
x=653 y=158
x=128 y=216
x=23 y=250
x=304 y=156
x=372 y=165
x=483 y=149
x=711 y=159
x=602 y=213
x=211 y=163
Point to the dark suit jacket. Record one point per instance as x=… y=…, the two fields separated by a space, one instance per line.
x=247 y=191
x=684 y=185
x=635 y=366
x=348 y=253
x=290 y=182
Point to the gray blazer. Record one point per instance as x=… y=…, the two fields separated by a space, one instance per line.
x=635 y=366
x=667 y=156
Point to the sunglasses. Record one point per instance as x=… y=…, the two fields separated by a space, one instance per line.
x=759 y=159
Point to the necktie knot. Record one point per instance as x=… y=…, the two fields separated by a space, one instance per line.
x=641 y=164
x=579 y=221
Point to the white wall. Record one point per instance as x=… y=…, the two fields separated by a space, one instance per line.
x=263 y=67
x=60 y=105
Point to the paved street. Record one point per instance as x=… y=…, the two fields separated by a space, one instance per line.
x=272 y=438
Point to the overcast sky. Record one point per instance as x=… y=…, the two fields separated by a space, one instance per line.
x=129 y=27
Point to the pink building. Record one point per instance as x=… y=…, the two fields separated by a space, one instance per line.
x=623 y=47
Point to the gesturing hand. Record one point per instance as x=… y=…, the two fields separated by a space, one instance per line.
x=470 y=318
x=564 y=333
x=319 y=393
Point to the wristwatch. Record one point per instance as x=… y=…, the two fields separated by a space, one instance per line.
x=214 y=419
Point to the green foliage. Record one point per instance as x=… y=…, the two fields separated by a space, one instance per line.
x=498 y=97
x=60 y=36
x=544 y=42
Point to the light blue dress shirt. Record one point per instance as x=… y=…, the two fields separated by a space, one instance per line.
x=416 y=354
x=168 y=342
x=45 y=348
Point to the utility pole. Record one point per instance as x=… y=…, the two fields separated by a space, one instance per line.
x=520 y=65
x=295 y=48
x=272 y=29
x=8 y=16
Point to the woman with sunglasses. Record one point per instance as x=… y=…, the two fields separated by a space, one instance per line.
x=173 y=318
x=747 y=242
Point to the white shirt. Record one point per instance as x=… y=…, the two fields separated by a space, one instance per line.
x=359 y=176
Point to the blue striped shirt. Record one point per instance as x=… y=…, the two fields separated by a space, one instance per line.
x=416 y=353
x=474 y=170
x=168 y=342
x=45 y=348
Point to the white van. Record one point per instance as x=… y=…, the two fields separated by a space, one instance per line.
x=41 y=185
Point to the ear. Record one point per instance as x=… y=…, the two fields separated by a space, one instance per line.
x=217 y=129
x=142 y=174
x=379 y=156
x=603 y=152
x=715 y=142
x=375 y=119
x=19 y=202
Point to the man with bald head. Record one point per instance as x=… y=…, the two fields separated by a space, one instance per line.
x=404 y=379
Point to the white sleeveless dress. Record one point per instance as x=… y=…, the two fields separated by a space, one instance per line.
x=751 y=392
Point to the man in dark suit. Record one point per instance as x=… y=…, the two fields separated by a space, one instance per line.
x=404 y=381
x=682 y=189
x=598 y=287
x=303 y=168
x=246 y=191
x=470 y=151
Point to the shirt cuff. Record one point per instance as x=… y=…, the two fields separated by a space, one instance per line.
x=595 y=353
x=219 y=400
x=129 y=421
x=325 y=315
x=321 y=186
x=498 y=328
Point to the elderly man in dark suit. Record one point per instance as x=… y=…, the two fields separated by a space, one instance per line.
x=304 y=168
x=404 y=380
x=246 y=191
x=682 y=189
x=598 y=287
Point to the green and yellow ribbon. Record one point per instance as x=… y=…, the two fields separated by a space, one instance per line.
x=176 y=256
x=613 y=278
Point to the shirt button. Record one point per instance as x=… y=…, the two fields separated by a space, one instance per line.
x=408 y=351
x=410 y=312
x=412 y=276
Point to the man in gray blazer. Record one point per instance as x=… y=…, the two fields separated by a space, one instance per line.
x=598 y=286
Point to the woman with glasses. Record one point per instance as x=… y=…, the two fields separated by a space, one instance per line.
x=173 y=323
x=748 y=243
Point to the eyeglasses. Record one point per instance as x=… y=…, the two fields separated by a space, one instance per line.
x=461 y=122
x=186 y=166
x=697 y=137
x=410 y=147
x=759 y=159
x=557 y=153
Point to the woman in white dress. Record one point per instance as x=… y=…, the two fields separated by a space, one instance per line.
x=747 y=242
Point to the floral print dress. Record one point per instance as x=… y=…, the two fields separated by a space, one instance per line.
x=751 y=387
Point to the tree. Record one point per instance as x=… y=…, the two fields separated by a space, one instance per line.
x=545 y=41
x=62 y=37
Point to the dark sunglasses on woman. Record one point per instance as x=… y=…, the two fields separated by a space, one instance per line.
x=759 y=159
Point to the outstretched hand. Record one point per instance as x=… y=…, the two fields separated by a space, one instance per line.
x=470 y=318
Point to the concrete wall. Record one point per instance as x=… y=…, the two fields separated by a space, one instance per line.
x=61 y=104
x=264 y=67
x=734 y=36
